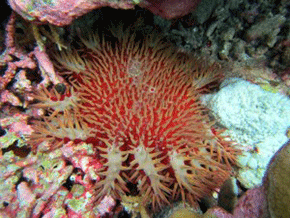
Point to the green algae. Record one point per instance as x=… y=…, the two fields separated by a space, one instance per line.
x=76 y=204
x=269 y=88
x=8 y=139
x=78 y=190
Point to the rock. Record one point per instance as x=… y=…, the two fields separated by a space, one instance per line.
x=267 y=28
x=205 y=9
x=252 y=204
x=277 y=183
x=228 y=195
x=170 y=8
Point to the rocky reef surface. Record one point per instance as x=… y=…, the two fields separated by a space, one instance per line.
x=246 y=41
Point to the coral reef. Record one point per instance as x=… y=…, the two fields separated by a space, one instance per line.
x=256 y=119
x=58 y=177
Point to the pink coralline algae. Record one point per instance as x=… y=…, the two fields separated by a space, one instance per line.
x=170 y=8
x=63 y=12
x=17 y=124
x=23 y=60
x=16 y=59
x=252 y=204
x=32 y=185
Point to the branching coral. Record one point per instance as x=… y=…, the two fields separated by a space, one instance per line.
x=136 y=103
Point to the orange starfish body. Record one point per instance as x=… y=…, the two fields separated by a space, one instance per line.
x=136 y=102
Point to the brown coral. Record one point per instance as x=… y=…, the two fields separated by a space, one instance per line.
x=277 y=183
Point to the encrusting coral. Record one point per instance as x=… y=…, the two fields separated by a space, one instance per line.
x=137 y=103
